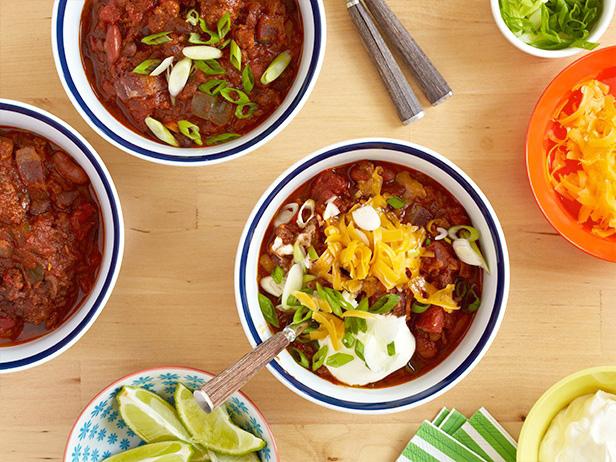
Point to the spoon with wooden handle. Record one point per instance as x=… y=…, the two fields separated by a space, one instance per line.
x=216 y=391
x=432 y=83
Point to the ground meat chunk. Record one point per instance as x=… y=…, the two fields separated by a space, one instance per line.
x=6 y=148
x=327 y=185
x=443 y=268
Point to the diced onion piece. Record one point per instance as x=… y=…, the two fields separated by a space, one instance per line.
x=367 y=218
x=279 y=249
x=467 y=254
x=179 y=76
x=163 y=66
x=277 y=67
x=308 y=205
x=331 y=210
x=272 y=287
x=294 y=282
x=299 y=255
x=442 y=234
x=160 y=131
x=203 y=52
x=286 y=214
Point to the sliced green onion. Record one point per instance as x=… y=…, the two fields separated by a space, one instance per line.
x=302 y=314
x=363 y=304
x=312 y=253
x=179 y=76
x=224 y=25
x=391 y=349
x=309 y=278
x=292 y=301
x=338 y=359
x=461 y=288
x=348 y=340
x=202 y=52
x=468 y=232
x=193 y=17
x=222 y=138
x=146 y=66
x=246 y=110
x=214 y=38
x=428 y=242
x=235 y=55
x=475 y=303
x=161 y=132
x=157 y=39
x=419 y=307
x=210 y=67
x=277 y=274
x=396 y=202
x=190 y=130
x=276 y=67
x=385 y=304
x=235 y=96
x=299 y=357
x=298 y=253
x=248 y=79
x=359 y=350
x=319 y=357
x=196 y=39
x=225 y=44
x=331 y=300
x=213 y=87
x=268 y=310
x=163 y=66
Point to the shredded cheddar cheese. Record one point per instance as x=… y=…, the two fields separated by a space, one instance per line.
x=386 y=254
x=591 y=143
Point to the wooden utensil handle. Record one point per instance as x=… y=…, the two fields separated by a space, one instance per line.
x=215 y=392
x=432 y=83
x=409 y=107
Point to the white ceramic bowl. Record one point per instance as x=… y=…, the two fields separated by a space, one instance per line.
x=100 y=432
x=66 y=49
x=595 y=35
x=459 y=362
x=34 y=352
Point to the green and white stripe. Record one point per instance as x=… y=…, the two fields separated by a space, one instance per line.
x=450 y=437
x=452 y=422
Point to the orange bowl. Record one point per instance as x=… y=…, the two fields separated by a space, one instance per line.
x=600 y=65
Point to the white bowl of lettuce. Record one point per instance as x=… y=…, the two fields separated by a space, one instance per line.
x=553 y=28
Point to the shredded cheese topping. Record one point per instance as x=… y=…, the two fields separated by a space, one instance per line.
x=384 y=254
x=590 y=144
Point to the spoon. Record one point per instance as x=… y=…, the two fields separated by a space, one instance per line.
x=216 y=391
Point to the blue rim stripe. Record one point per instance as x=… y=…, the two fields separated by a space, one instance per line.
x=116 y=240
x=316 y=14
x=496 y=310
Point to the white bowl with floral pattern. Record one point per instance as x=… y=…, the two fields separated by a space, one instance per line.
x=99 y=432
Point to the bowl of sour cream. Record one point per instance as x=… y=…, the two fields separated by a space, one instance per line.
x=575 y=420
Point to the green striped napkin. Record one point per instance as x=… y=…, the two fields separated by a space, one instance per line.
x=451 y=437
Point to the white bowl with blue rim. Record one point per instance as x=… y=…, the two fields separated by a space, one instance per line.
x=100 y=432
x=66 y=49
x=58 y=340
x=482 y=330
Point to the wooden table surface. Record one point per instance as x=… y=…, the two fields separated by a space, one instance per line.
x=174 y=302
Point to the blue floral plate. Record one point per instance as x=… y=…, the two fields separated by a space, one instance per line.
x=100 y=432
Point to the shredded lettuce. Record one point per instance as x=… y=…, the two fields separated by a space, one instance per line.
x=552 y=24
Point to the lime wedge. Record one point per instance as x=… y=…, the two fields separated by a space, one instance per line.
x=200 y=454
x=215 y=431
x=150 y=416
x=252 y=457
x=167 y=451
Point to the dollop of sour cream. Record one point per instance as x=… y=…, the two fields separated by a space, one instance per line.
x=584 y=430
x=382 y=331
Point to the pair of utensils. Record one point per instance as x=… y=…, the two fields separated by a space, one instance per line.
x=366 y=14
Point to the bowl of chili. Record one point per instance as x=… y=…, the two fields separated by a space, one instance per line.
x=61 y=236
x=404 y=276
x=188 y=82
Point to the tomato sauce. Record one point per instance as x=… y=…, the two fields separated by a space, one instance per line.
x=112 y=48
x=50 y=237
x=437 y=333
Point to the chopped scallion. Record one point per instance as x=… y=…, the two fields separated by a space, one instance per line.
x=160 y=131
x=396 y=202
x=235 y=96
x=391 y=349
x=312 y=253
x=474 y=301
x=157 y=39
x=419 y=307
x=209 y=67
x=248 y=79
x=299 y=357
x=214 y=38
x=193 y=17
x=235 y=55
x=213 y=87
x=196 y=39
x=277 y=274
x=276 y=67
x=190 y=130
x=385 y=304
x=359 y=350
x=246 y=110
x=146 y=66
x=338 y=359
x=319 y=357
x=224 y=25
x=268 y=310
x=222 y=138
x=348 y=340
